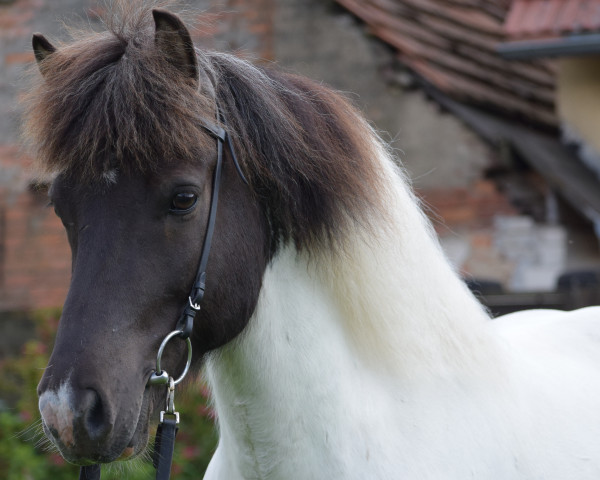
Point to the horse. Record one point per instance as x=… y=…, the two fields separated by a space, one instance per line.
x=336 y=338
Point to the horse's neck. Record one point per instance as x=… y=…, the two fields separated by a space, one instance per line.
x=330 y=335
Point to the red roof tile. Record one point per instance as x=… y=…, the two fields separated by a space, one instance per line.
x=452 y=45
x=537 y=19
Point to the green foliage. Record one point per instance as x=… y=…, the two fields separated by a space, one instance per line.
x=25 y=454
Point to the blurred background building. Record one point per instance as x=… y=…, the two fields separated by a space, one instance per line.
x=492 y=106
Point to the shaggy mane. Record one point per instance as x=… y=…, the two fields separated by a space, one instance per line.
x=109 y=100
x=309 y=155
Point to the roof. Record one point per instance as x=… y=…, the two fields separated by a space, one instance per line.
x=451 y=44
x=551 y=18
x=550 y=28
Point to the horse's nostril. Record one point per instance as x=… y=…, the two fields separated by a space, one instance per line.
x=79 y=421
x=95 y=420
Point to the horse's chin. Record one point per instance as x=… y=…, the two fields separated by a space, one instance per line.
x=135 y=447
x=138 y=443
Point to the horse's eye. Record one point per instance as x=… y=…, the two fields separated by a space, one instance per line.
x=184 y=201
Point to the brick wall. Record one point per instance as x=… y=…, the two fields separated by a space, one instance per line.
x=465 y=218
x=466 y=208
x=34 y=256
x=35 y=259
x=23 y=223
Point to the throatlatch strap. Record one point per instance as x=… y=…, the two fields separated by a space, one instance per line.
x=164 y=444
x=91 y=472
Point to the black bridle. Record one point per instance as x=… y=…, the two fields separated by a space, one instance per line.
x=169 y=419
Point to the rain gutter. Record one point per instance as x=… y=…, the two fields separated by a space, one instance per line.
x=572 y=45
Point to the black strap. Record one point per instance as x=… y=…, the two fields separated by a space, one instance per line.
x=222 y=135
x=90 y=472
x=199 y=285
x=186 y=321
x=164 y=444
x=232 y=151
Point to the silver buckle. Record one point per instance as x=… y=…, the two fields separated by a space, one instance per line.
x=195 y=306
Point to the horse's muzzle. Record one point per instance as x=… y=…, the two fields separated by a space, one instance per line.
x=78 y=422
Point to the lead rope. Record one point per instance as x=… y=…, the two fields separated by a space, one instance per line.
x=166 y=432
x=164 y=442
x=91 y=472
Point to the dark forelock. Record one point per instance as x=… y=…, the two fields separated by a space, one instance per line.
x=110 y=100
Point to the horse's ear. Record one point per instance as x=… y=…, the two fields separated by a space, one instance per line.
x=173 y=39
x=42 y=48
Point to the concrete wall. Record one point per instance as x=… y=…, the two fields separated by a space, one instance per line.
x=321 y=40
x=578 y=103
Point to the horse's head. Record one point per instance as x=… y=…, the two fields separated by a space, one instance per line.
x=127 y=121
x=133 y=189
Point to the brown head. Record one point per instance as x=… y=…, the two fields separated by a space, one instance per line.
x=117 y=119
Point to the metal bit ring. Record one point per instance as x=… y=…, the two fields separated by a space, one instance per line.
x=159 y=377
